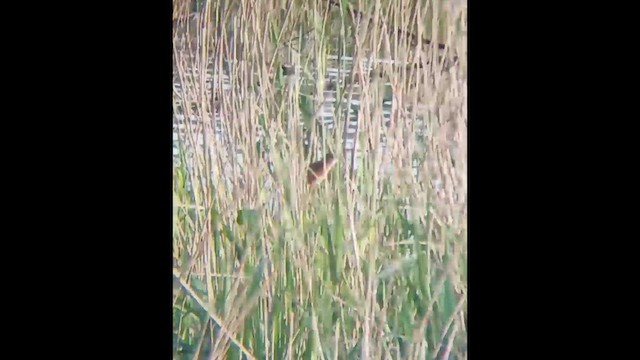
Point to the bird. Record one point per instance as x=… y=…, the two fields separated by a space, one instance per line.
x=318 y=170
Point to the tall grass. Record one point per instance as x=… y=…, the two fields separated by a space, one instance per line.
x=371 y=264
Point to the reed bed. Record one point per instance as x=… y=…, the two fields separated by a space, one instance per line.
x=371 y=262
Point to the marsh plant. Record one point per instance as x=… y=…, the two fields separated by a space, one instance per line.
x=369 y=263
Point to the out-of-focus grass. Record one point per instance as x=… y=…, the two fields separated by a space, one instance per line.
x=368 y=267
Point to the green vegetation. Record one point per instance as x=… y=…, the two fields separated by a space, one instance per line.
x=371 y=264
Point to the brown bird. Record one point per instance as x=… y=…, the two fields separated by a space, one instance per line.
x=318 y=170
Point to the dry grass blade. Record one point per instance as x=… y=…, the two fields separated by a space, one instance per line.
x=213 y=316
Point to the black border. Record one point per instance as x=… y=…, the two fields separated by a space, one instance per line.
x=99 y=189
x=525 y=95
x=144 y=283
x=508 y=169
